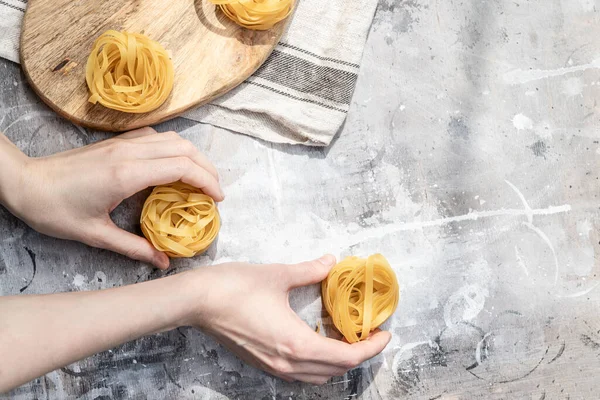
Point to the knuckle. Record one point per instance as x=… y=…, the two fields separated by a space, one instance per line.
x=148 y=130
x=171 y=135
x=111 y=148
x=118 y=148
x=133 y=253
x=186 y=147
x=297 y=348
x=284 y=350
x=323 y=380
x=291 y=348
x=350 y=363
x=182 y=164
x=282 y=366
x=118 y=175
x=356 y=362
x=145 y=131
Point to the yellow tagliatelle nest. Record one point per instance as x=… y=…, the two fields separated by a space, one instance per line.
x=180 y=220
x=129 y=72
x=360 y=294
x=256 y=14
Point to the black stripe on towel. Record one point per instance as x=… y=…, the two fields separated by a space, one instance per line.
x=11 y=6
x=306 y=77
x=311 y=101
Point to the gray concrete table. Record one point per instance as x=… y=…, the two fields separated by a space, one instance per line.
x=470 y=159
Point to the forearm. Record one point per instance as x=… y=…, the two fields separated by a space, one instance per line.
x=12 y=162
x=41 y=333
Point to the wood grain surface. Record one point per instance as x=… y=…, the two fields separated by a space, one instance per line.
x=211 y=54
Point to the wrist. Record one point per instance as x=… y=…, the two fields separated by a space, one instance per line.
x=193 y=285
x=180 y=298
x=13 y=164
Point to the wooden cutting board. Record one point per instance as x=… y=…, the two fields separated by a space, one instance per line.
x=211 y=54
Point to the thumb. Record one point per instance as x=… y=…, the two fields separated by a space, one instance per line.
x=310 y=272
x=111 y=237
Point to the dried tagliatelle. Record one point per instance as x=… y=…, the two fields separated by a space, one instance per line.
x=128 y=72
x=360 y=294
x=256 y=14
x=180 y=220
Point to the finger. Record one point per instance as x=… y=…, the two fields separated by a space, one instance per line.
x=311 y=378
x=309 y=272
x=175 y=148
x=158 y=137
x=286 y=378
x=146 y=173
x=349 y=355
x=318 y=368
x=141 y=132
x=110 y=237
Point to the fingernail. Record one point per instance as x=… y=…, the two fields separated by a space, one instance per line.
x=389 y=338
x=327 y=260
x=222 y=193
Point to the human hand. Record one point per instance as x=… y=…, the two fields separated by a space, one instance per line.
x=71 y=194
x=246 y=308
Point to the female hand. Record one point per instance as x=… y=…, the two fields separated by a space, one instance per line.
x=243 y=306
x=246 y=308
x=71 y=194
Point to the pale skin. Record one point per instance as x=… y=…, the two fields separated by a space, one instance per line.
x=70 y=196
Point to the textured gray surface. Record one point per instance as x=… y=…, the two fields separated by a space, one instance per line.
x=470 y=159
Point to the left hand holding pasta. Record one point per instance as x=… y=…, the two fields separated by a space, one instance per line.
x=71 y=194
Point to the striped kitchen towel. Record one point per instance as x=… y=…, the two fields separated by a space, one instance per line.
x=300 y=95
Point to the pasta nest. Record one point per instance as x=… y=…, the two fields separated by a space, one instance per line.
x=180 y=220
x=256 y=14
x=129 y=72
x=360 y=294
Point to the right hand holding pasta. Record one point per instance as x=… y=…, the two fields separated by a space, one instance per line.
x=71 y=194
x=243 y=306
x=246 y=308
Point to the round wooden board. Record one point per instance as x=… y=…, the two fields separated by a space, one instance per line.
x=210 y=53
